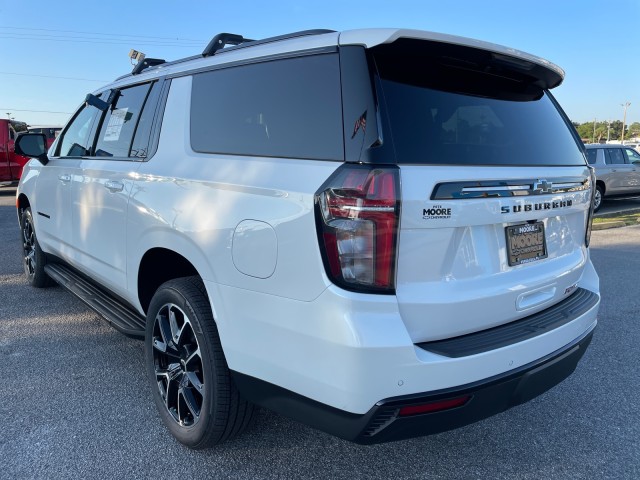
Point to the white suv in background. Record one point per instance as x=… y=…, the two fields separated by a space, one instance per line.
x=380 y=233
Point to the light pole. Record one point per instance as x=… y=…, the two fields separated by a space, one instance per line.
x=593 y=140
x=608 y=130
x=624 y=118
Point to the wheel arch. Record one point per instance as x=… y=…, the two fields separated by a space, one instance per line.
x=602 y=185
x=22 y=202
x=157 y=266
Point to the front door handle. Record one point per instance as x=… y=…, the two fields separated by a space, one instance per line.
x=114 y=186
x=64 y=178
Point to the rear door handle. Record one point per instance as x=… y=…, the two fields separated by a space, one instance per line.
x=64 y=178
x=114 y=186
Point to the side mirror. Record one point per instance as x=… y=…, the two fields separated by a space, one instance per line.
x=100 y=104
x=33 y=145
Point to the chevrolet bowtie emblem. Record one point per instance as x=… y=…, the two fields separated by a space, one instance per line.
x=542 y=186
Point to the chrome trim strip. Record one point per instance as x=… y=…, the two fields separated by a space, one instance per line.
x=508 y=188
x=496 y=189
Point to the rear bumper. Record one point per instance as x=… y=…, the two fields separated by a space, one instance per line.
x=383 y=423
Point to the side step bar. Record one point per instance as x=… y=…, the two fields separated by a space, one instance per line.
x=120 y=316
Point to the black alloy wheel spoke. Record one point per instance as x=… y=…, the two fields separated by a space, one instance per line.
x=193 y=357
x=176 y=331
x=172 y=392
x=192 y=412
x=165 y=343
x=195 y=382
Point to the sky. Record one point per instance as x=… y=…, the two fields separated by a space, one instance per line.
x=53 y=53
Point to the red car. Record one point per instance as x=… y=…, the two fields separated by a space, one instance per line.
x=51 y=131
x=10 y=163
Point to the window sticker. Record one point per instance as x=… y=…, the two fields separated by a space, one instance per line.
x=118 y=117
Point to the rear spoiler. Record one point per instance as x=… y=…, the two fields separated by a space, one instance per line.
x=543 y=73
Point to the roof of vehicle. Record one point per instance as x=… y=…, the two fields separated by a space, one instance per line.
x=547 y=74
x=606 y=145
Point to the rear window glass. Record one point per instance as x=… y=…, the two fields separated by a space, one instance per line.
x=592 y=153
x=284 y=108
x=440 y=113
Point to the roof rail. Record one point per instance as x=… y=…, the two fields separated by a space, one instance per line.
x=146 y=63
x=221 y=40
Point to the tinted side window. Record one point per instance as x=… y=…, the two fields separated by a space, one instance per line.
x=284 y=108
x=632 y=155
x=75 y=141
x=119 y=124
x=140 y=145
x=591 y=155
x=614 y=156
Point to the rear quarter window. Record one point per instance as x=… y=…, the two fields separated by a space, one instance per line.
x=614 y=156
x=284 y=108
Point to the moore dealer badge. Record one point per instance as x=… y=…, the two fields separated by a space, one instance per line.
x=436 y=212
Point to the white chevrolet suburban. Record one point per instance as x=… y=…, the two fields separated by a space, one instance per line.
x=380 y=233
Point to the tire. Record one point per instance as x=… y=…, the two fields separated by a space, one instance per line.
x=597 y=199
x=190 y=380
x=34 y=258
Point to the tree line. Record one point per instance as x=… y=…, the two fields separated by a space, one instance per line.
x=606 y=131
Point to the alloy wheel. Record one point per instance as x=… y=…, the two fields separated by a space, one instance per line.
x=178 y=365
x=597 y=200
x=29 y=247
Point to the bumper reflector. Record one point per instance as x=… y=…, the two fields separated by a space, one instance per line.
x=434 y=406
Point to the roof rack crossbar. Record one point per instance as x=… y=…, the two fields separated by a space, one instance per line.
x=146 y=63
x=221 y=40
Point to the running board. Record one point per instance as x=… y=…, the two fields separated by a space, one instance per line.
x=120 y=316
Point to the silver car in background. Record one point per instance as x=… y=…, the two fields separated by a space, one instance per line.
x=617 y=170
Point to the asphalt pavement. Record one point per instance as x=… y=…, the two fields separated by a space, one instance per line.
x=618 y=205
x=75 y=403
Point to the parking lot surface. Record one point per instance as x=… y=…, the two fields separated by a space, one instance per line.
x=618 y=205
x=75 y=403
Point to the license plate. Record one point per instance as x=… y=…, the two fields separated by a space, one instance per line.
x=526 y=243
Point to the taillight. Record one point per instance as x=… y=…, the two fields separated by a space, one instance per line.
x=357 y=216
x=587 y=236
